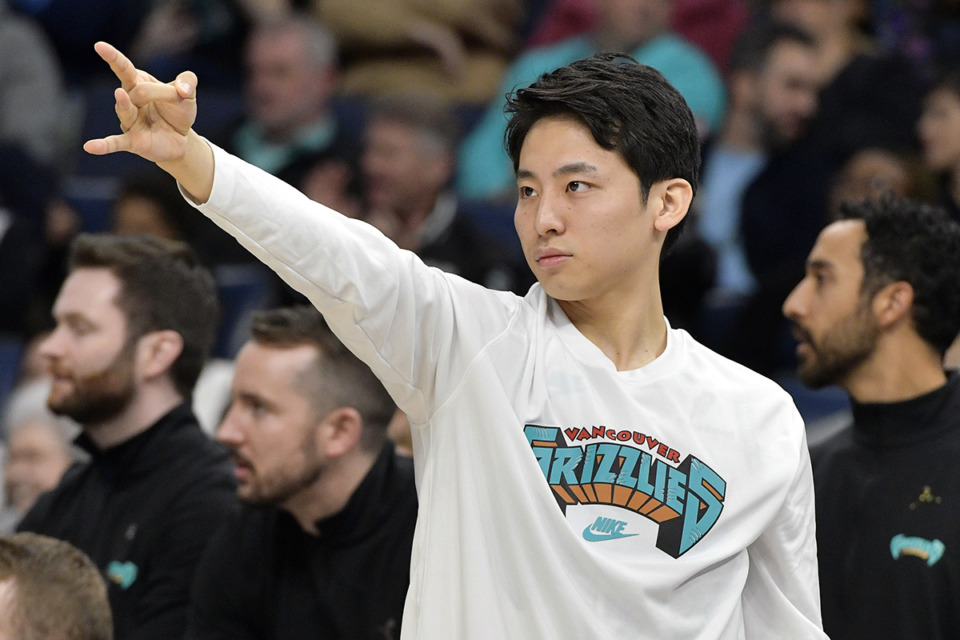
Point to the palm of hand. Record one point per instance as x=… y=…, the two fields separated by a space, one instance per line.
x=157 y=119
x=159 y=132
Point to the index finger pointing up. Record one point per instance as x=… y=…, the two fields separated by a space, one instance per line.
x=119 y=64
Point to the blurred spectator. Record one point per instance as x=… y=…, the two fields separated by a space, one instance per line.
x=322 y=547
x=408 y=165
x=939 y=130
x=34 y=110
x=135 y=320
x=772 y=89
x=39 y=449
x=291 y=80
x=50 y=589
x=638 y=27
x=149 y=203
x=456 y=49
x=874 y=171
x=870 y=96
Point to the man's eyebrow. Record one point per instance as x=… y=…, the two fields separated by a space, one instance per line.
x=819 y=264
x=574 y=167
x=567 y=169
x=72 y=317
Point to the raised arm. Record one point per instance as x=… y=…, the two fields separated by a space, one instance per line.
x=155 y=123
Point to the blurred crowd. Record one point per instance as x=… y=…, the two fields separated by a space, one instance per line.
x=393 y=113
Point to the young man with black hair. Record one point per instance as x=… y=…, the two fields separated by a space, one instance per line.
x=879 y=306
x=584 y=470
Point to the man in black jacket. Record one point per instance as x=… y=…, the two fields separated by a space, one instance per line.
x=322 y=548
x=875 y=313
x=135 y=319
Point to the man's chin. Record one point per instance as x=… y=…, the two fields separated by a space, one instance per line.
x=61 y=406
x=250 y=497
x=813 y=377
x=60 y=396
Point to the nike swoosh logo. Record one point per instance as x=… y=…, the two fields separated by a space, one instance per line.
x=590 y=536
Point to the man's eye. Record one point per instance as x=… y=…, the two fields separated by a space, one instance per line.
x=576 y=185
x=527 y=192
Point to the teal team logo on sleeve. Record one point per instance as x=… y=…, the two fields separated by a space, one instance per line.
x=122 y=573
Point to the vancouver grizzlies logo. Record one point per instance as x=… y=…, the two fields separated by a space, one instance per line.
x=685 y=500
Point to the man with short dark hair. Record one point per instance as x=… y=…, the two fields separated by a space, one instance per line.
x=322 y=547
x=878 y=308
x=49 y=590
x=135 y=320
x=584 y=470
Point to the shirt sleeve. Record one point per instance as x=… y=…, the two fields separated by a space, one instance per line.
x=781 y=598
x=415 y=326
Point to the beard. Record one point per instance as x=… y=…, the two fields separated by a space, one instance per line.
x=841 y=349
x=276 y=488
x=101 y=396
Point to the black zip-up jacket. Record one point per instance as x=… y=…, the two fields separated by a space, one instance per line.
x=144 y=510
x=264 y=578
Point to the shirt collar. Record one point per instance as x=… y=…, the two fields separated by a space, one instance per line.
x=894 y=424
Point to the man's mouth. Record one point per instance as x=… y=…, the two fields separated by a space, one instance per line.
x=550 y=257
x=242 y=469
x=804 y=341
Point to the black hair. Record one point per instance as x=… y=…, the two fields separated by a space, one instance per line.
x=629 y=108
x=919 y=244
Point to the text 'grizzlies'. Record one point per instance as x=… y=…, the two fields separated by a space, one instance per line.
x=685 y=501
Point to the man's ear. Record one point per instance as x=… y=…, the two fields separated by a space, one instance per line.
x=340 y=432
x=893 y=303
x=157 y=351
x=672 y=202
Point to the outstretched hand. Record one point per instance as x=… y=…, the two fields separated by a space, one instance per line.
x=155 y=117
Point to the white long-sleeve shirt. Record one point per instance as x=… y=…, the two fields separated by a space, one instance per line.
x=559 y=497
